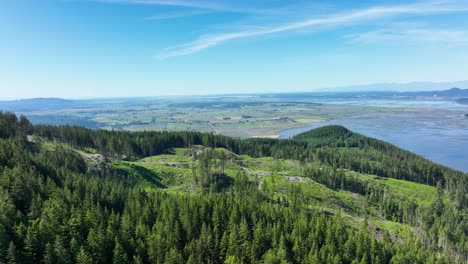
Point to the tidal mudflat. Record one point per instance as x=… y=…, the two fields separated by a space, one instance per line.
x=436 y=130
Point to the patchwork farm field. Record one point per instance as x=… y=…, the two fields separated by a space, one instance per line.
x=442 y=122
x=231 y=116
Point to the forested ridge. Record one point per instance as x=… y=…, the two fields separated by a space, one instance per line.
x=55 y=207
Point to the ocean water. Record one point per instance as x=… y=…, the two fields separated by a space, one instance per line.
x=439 y=134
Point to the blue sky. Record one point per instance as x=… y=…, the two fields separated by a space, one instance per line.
x=111 y=48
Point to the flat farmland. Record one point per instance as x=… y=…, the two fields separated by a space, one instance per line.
x=236 y=117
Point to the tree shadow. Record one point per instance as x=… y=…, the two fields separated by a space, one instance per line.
x=134 y=172
x=149 y=175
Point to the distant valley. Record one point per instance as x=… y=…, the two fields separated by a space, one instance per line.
x=408 y=119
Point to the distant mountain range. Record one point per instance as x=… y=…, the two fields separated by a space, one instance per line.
x=451 y=94
x=454 y=92
x=400 y=87
x=41 y=104
x=34 y=104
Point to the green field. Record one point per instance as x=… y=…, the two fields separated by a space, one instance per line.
x=175 y=171
x=243 y=118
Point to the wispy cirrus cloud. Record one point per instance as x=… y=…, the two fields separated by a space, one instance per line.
x=179 y=3
x=219 y=6
x=450 y=37
x=339 y=19
x=174 y=15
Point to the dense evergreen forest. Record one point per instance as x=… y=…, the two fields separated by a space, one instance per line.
x=57 y=208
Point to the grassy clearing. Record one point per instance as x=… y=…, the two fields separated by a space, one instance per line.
x=422 y=194
x=398 y=231
x=139 y=175
x=281 y=180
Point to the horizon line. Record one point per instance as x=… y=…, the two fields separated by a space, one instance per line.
x=316 y=91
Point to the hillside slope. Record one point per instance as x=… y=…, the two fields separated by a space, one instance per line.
x=73 y=195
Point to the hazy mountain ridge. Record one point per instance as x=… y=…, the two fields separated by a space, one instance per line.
x=398 y=86
x=33 y=104
x=454 y=92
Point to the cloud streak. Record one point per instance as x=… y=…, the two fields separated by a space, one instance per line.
x=206 y=5
x=338 y=19
x=178 y=3
x=176 y=15
x=416 y=35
